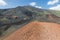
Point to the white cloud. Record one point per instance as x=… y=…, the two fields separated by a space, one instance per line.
x=52 y=2
x=38 y=6
x=33 y=3
x=55 y=7
x=2 y=3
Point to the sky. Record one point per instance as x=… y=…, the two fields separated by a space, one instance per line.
x=44 y=4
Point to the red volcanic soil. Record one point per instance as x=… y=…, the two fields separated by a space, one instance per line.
x=37 y=31
x=53 y=17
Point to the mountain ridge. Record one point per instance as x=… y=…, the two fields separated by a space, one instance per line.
x=36 y=30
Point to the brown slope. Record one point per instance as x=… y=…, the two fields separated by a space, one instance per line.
x=53 y=17
x=37 y=31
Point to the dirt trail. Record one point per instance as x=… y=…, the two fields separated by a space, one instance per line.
x=37 y=31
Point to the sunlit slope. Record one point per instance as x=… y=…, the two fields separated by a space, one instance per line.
x=36 y=31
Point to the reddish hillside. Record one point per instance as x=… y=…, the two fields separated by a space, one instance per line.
x=37 y=31
x=53 y=17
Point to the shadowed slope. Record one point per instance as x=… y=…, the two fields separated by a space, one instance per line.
x=37 y=31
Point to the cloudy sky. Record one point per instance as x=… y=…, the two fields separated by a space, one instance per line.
x=44 y=4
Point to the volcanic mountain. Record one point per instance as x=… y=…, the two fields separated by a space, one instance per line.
x=36 y=31
x=13 y=19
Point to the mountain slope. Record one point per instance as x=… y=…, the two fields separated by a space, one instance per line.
x=14 y=18
x=36 y=31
